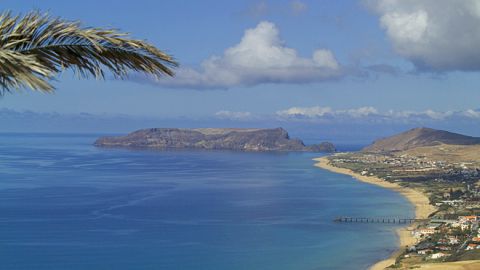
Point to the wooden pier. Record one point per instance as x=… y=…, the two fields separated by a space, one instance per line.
x=377 y=220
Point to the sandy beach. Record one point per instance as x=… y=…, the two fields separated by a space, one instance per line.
x=421 y=203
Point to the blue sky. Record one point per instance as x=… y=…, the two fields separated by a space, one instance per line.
x=351 y=59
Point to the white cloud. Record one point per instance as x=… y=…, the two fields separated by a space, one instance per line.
x=360 y=112
x=260 y=57
x=434 y=34
x=326 y=59
x=233 y=115
x=370 y=113
x=319 y=112
x=472 y=113
x=437 y=115
x=427 y=114
x=309 y=112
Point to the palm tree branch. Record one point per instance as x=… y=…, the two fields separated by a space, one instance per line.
x=114 y=58
x=19 y=71
x=56 y=44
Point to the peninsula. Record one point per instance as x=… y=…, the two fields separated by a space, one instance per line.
x=437 y=171
x=235 y=139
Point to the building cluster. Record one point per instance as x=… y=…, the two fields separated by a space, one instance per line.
x=465 y=198
x=410 y=163
x=442 y=238
x=461 y=176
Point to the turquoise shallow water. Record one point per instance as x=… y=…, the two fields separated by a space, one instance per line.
x=65 y=204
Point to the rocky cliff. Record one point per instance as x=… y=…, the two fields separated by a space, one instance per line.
x=213 y=139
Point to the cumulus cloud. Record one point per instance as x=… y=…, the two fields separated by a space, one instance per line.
x=438 y=35
x=365 y=113
x=371 y=113
x=360 y=112
x=233 y=115
x=260 y=57
x=309 y=112
x=472 y=113
x=319 y=112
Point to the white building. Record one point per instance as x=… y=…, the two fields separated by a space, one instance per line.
x=437 y=255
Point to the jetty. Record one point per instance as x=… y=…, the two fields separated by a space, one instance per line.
x=378 y=220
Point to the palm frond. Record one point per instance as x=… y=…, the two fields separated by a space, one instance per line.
x=35 y=47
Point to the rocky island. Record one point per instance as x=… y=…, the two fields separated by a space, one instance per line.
x=236 y=139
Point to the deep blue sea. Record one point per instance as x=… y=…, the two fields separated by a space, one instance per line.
x=66 y=205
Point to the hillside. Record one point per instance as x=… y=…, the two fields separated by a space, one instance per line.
x=420 y=137
x=213 y=139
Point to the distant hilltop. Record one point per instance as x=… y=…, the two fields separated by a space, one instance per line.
x=420 y=137
x=236 y=139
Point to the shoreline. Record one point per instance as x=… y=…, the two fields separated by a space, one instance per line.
x=420 y=202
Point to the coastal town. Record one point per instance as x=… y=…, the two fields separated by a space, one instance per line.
x=451 y=232
x=439 y=173
x=444 y=240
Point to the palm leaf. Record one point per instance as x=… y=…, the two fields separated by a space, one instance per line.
x=35 y=47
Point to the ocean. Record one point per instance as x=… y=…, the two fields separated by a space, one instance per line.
x=65 y=204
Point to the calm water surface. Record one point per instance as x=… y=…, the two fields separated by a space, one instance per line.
x=65 y=204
